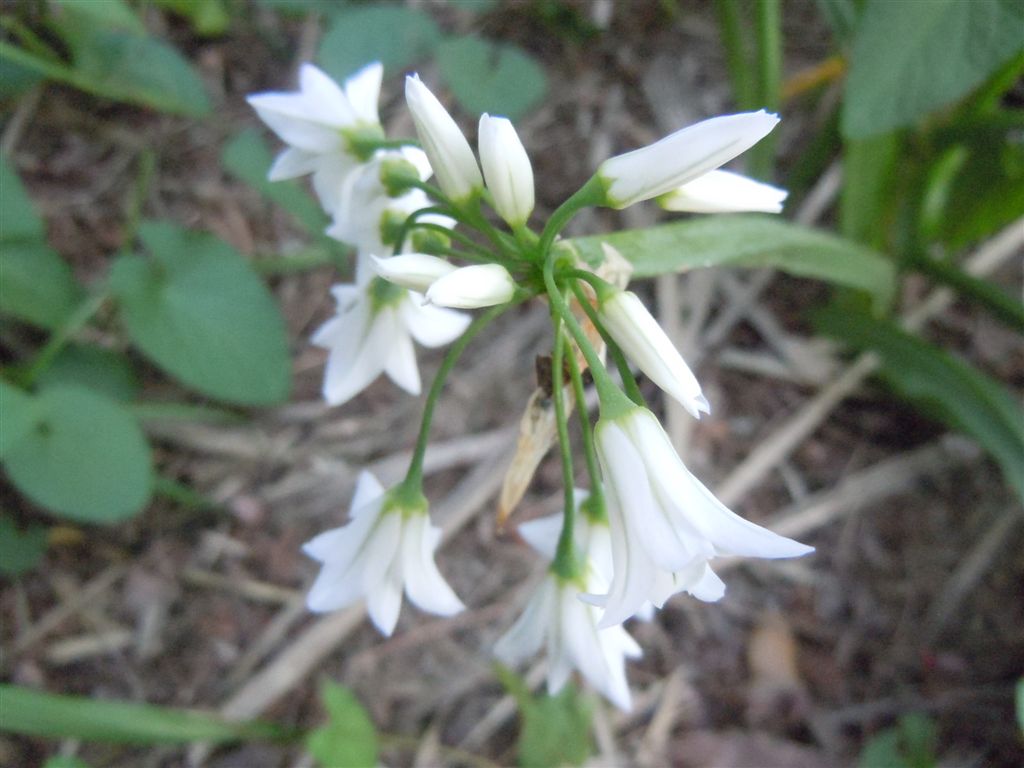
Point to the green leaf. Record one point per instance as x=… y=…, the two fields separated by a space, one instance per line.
x=35 y=713
x=911 y=58
x=841 y=16
x=65 y=762
x=208 y=17
x=199 y=312
x=84 y=458
x=555 y=729
x=18 y=217
x=248 y=157
x=1020 y=705
x=20 y=551
x=490 y=77
x=100 y=370
x=36 y=284
x=349 y=739
x=746 y=241
x=392 y=34
x=17 y=416
x=866 y=202
x=941 y=384
x=16 y=79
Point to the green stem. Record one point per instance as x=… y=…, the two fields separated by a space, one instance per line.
x=410 y=222
x=595 y=505
x=736 y=58
x=309 y=258
x=461 y=237
x=769 y=44
x=590 y=194
x=565 y=563
x=414 y=476
x=74 y=323
x=1001 y=304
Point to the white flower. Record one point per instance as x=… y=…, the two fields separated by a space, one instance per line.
x=681 y=157
x=318 y=121
x=665 y=524
x=415 y=271
x=633 y=328
x=372 y=334
x=385 y=547
x=724 y=192
x=507 y=169
x=479 y=285
x=573 y=640
x=449 y=152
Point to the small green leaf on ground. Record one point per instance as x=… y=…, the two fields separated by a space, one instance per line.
x=18 y=217
x=491 y=77
x=20 y=550
x=84 y=457
x=348 y=740
x=17 y=416
x=101 y=370
x=65 y=762
x=390 y=33
x=37 y=285
x=747 y=241
x=197 y=309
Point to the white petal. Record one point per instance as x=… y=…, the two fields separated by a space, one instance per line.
x=368 y=489
x=709 y=587
x=329 y=177
x=415 y=271
x=634 y=571
x=401 y=365
x=724 y=192
x=287 y=116
x=542 y=534
x=424 y=584
x=433 y=326
x=382 y=576
x=527 y=634
x=341 y=546
x=292 y=163
x=507 y=169
x=479 y=285
x=336 y=587
x=347 y=376
x=323 y=99
x=363 y=92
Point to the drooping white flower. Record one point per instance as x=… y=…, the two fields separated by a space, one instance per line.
x=372 y=334
x=724 y=192
x=415 y=271
x=318 y=122
x=478 y=285
x=555 y=617
x=665 y=525
x=387 y=546
x=450 y=154
x=507 y=169
x=681 y=157
x=644 y=341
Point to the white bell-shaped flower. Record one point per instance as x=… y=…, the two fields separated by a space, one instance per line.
x=724 y=192
x=373 y=333
x=415 y=271
x=681 y=157
x=450 y=154
x=507 y=169
x=644 y=341
x=385 y=548
x=665 y=525
x=479 y=285
x=317 y=122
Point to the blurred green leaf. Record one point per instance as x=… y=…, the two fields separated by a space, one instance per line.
x=18 y=217
x=65 y=762
x=36 y=284
x=941 y=384
x=348 y=740
x=392 y=34
x=747 y=241
x=207 y=17
x=911 y=58
x=555 y=729
x=910 y=744
x=199 y=311
x=866 y=201
x=303 y=7
x=100 y=370
x=77 y=19
x=20 y=551
x=841 y=16
x=248 y=157
x=85 y=457
x=1020 y=705
x=36 y=713
x=16 y=79
x=491 y=77
x=17 y=416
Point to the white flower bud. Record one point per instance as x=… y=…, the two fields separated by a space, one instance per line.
x=450 y=154
x=681 y=157
x=507 y=169
x=724 y=192
x=480 y=285
x=415 y=271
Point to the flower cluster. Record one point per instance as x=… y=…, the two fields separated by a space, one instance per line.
x=647 y=529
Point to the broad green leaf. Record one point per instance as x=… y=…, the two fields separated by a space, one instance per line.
x=18 y=217
x=17 y=416
x=746 y=241
x=491 y=77
x=911 y=58
x=248 y=158
x=555 y=729
x=84 y=458
x=841 y=15
x=16 y=79
x=100 y=370
x=208 y=17
x=304 y=7
x=20 y=551
x=910 y=744
x=36 y=284
x=944 y=385
x=78 y=17
x=65 y=762
x=348 y=740
x=392 y=34
x=36 y=713
x=198 y=311
x=866 y=202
